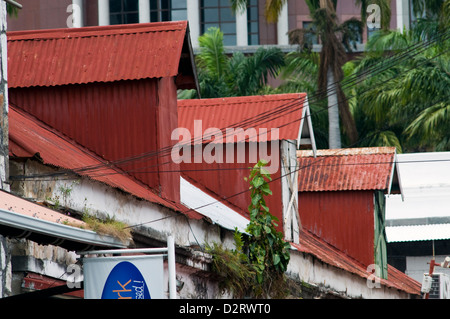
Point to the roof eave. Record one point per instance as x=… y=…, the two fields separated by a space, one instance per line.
x=73 y=236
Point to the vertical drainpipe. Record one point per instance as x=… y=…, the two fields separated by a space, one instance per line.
x=4 y=132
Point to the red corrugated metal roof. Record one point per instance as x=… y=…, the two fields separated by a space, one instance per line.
x=346 y=169
x=313 y=245
x=94 y=54
x=29 y=136
x=283 y=111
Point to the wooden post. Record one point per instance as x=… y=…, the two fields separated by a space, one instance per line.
x=289 y=189
x=4 y=127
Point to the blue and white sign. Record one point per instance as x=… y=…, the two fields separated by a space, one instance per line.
x=125 y=281
x=124 y=277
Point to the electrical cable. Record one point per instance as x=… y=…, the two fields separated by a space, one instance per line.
x=289 y=105
x=274 y=179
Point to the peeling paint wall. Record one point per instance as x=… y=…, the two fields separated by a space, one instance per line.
x=83 y=195
x=5 y=267
x=328 y=280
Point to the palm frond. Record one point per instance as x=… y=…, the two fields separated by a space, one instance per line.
x=212 y=55
x=272 y=9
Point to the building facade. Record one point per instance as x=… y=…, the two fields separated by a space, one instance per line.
x=246 y=28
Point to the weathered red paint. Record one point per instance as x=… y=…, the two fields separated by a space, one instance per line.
x=111 y=89
x=227 y=182
x=29 y=137
x=344 y=219
x=282 y=111
x=96 y=54
x=336 y=196
x=226 y=179
x=323 y=251
x=346 y=169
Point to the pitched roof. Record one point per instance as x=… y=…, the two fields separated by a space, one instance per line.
x=97 y=54
x=312 y=244
x=29 y=137
x=369 y=168
x=283 y=111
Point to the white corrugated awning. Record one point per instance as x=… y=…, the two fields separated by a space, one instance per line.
x=417 y=232
x=424 y=212
x=195 y=198
x=20 y=218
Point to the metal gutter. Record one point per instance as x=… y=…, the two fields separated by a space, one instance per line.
x=63 y=232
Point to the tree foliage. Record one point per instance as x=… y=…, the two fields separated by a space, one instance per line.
x=256 y=267
x=407 y=105
x=221 y=75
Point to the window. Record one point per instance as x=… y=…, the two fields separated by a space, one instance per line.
x=252 y=21
x=217 y=13
x=168 y=10
x=355 y=37
x=123 y=11
x=310 y=38
x=370 y=32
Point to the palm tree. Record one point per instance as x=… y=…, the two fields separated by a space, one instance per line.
x=414 y=103
x=238 y=75
x=335 y=39
x=272 y=8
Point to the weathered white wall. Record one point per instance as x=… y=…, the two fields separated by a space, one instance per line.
x=416 y=266
x=156 y=222
x=336 y=281
x=5 y=267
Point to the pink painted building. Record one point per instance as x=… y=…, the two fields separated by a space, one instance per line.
x=245 y=29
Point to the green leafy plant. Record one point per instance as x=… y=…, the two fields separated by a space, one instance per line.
x=256 y=267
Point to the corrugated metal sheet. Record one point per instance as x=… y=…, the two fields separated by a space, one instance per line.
x=283 y=111
x=417 y=232
x=315 y=246
x=346 y=169
x=19 y=218
x=126 y=121
x=94 y=54
x=29 y=136
x=343 y=219
x=226 y=181
x=193 y=196
x=21 y=206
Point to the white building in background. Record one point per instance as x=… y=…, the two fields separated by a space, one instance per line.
x=244 y=30
x=418 y=225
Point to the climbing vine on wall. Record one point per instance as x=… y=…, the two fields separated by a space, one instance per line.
x=256 y=267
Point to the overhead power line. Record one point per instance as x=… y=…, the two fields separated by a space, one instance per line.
x=296 y=170
x=262 y=118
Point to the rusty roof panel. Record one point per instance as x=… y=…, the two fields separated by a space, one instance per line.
x=346 y=169
x=94 y=54
x=283 y=111
x=315 y=246
x=29 y=136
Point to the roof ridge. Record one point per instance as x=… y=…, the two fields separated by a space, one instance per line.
x=238 y=99
x=357 y=151
x=95 y=31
